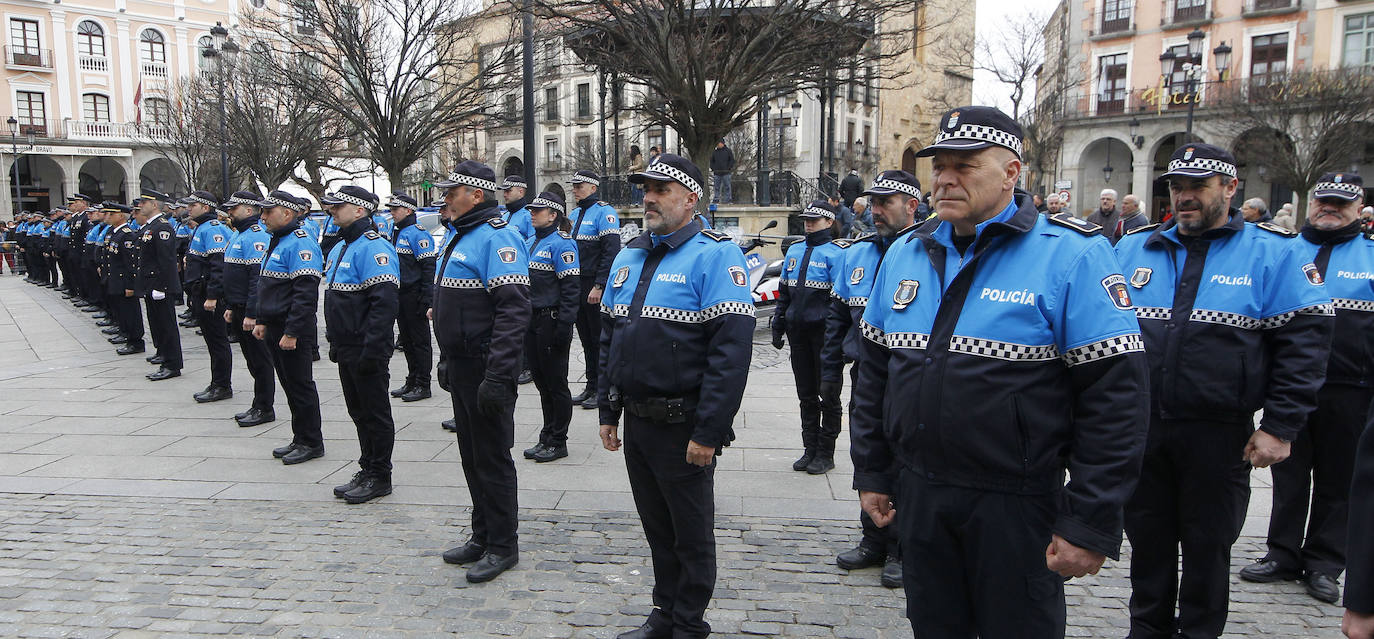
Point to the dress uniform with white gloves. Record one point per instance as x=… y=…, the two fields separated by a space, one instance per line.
x=1235 y=319
x=158 y=281
x=999 y=352
x=362 y=282
x=242 y=264
x=554 y=293
x=122 y=265
x=596 y=227
x=204 y=288
x=417 y=251
x=676 y=342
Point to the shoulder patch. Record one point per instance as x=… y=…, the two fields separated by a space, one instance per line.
x=496 y=223
x=1276 y=229
x=842 y=243
x=715 y=235
x=255 y=228
x=1067 y=220
x=372 y=235
x=564 y=235
x=301 y=233
x=1142 y=229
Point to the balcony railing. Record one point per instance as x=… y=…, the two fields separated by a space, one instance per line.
x=1178 y=14
x=28 y=57
x=1269 y=7
x=35 y=128
x=96 y=130
x=154 y=69
x=98 y=63
x=1120 y=20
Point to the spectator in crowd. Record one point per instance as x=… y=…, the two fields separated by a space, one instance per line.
x=722 y=164
x=1039 y=201
x=1255 y=210
x=635 y=166
x=851 y=187
x=863 y=218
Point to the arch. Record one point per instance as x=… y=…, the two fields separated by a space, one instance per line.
x=41 y=182
x=161 y=174
x=513 y=165
x=909 y=160
x=104 y=179
x=1097 y=155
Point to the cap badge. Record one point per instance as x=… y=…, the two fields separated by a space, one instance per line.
x=1188 y=155
x=953 y=121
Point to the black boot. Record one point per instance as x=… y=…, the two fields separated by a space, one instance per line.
x=255 y=416
x=551 y=453
x=805 y=460
x=534 y=450
x=587 y=391
x=358 y=478
x=397 y=392
x=371 y=487
x=213 y=394
x=416 y=394
x=824 y=460
x=450 y=425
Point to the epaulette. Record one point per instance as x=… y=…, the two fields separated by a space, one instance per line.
x=564 y=235
x=1141 y=229
x=865 y=237
x=715 y=235
x=372 y=235
x=496 y=223
x=255 y=228
x=842 y=242
x=1369 y=236
x=1276 y=229
x=603 y=203
x=1068 y=221
x=301 y=233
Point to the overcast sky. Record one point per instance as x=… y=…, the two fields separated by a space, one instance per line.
x=987 y=90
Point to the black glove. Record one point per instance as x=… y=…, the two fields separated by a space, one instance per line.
x=778 y=341
x=442 y=374
x=563 y=333
x=494 y=395
x=368 y=367
x=333 y=354
x=830 y=389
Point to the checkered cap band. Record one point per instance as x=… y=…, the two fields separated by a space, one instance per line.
x=982 y=134
x=817 y=211
x=272 y=201
x=897 y=186
x=583 y=178
x=541 y=203
x=1203 y=164
x=512 y=183
x=677 y=174
x=474 y=182
x=1344 y=187
x=344 y=197
x=236 y=200
x=394 y=202
x=196 y=198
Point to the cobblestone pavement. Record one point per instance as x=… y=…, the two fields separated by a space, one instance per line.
x=126 y=510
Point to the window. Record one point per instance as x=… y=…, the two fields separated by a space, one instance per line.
x=584 y=100
x=551 y=155
x=260 y=55
x=304 y=12
x=1268 y=58
x=584 y=148
x=548 y=54
x=551 y=104
x=1189 y=10
x=1116 y=15
x=1111 y=77
x=849 y=137
x=206 y=65
x=853 y=84
x=95 y=107
x=23 y=37
x=258 y=4
x=156 y=111
x=512 y=108
x=308 y=64
x=152 y=47
x=867 y=139
x=30 y=112
x=870 y=91
x=1359 y=40
x=90 y=38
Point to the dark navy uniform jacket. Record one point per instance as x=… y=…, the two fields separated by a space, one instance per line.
x=287 y=289
x=243 y=261
x=1359 y=574
x=678 y=322
x=482 y=292
x=1000 y=368
x=121 y=263
x=1345 y=258
x=362 y=283
x=157 y=259
x=808 y=273
x=553 y=273
x=856 y=269
x=205 y=257
x=596 y=227
x=1235 y=321
x=417 y=252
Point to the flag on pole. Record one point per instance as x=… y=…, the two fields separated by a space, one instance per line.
x=138 y=100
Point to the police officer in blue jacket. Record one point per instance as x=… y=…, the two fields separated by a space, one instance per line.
x=554 y=298
x=808 y=273
x=417 y=252
x=1323 y=454
x=1235 y=319
x=676 y=341
x=281 y=313
x=596 y=227
x=158 y=282
x=894 y=202
x=362 y=283
x=517 y=214
x=204 y=288
x=481 y=312
x=242 y=263
x=999 y=351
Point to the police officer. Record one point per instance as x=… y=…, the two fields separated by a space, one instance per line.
x=1359 y=576
x=91 y=302
x=517 y=214
x=76 y=239
x=242 y=263
x=676 y=341
x=281 y=313
x=596 y=227
x=481 y=311
x=330 y=234
x=121 y=267
x=58 y=250
x=157 y=281
x=554 y=297
x=894 y=201
x=1323 y=454
x=204 y=289
x=38 y=250
x=416 y=251
x=1236 y=319
x=808 y=273
x=360 y=305
x=178 y=215
x=999 y=351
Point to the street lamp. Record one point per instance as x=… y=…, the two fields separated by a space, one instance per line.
x=222 y=51
x=1107 y=169
x=1136 y=139
x=1222 y=55
x=14 y=149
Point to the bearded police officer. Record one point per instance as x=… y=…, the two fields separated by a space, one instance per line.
x=158 y=281
x=596 y=227
x=242 y=263
x=281 y=313
x=416 y=251
x=999 y=351
x=1323 y=454
x=481 y=311
x=1235 y=319
x=204 y=289
x=360 y=302
x=554 y=297
x=894 y=199
x=676 y=341
x=513 y=189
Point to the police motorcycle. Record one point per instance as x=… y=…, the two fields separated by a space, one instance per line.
x=764 y=276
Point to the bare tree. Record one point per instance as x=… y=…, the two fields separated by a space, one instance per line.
x=1012 y=53
x=180 y=136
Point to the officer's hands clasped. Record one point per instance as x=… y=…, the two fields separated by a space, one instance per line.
x=1071 y=561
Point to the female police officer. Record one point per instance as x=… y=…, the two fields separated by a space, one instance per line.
x=554 y=295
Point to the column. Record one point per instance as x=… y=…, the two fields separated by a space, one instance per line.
x=61 y=52
x=125 y=56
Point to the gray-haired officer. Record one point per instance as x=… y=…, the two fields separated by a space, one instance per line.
x=596 y=227
x=417 y=252
x=481 y=311
x=158 y=282
x=676 y=341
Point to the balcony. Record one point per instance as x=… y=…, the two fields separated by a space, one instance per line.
x=95 y=63
x=1114 y=23
x=1258 y=8
x=96 y=130
x=28 y=58
x=1182 y=14
x=37 y=128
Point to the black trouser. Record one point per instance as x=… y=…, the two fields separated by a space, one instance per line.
x=216 y=336
x=93 y=285
x=162 y=323
x=258 y=360
x=1321 y=466
x=63 y=265
x=298 y=382
x=676 y=504
x=820 y=416
x=413 y=326
x=38 y=267
x=129 y=318
x=973 y=562
x=589 y=331
x=1193 y=491
x=548 y=360
x=369 y=406
x=883 y=540
x=484 y=442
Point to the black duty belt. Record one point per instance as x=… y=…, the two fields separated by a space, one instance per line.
x=669 y=410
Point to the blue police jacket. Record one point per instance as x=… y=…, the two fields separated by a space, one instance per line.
x=88 y=252
x=553 y=273
x=1345 y=258
x=417 y=252
x=286 y=292
x=856 y=269
x=243 y=261
x=383 y=223
x=1235 y=320
x=362 y=283
x=205 y=257
x=999 y=368
x=596 y=227
x=519 y=219
x=808 y=272
x=312 y=226
x=482 y=292
x=678 y=322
